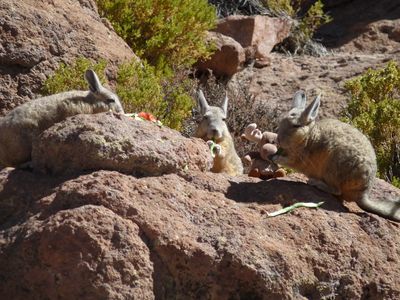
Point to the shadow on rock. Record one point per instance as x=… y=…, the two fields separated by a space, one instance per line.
x=23 y=193
x=284 y=192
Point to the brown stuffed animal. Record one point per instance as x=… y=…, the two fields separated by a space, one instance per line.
x=261 y=164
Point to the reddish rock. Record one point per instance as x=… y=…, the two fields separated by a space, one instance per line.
x=37 y=35
x=116 y=142
x=107 y=235
x=365 y=26
x=380 y=36
x=202 y=236
x=228 y=57
x=257 y=34
x=273 y=86
x=83 y=253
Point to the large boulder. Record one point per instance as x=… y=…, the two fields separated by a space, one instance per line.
x=107 y=235
x=273 y=86
x=36 y=35
x=365 y=26
x=116 y=142
x=93 y=253
x=257 y=34
x=229 y=56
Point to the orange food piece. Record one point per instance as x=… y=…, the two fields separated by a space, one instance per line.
x=147 y=116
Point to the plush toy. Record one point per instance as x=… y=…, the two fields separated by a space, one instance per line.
x=260 y=161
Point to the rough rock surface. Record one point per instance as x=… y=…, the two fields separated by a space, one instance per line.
x=364 y=34
x=36 y=35
x=274 y=86
x=362 y=25
x=115 y=142
x=229 y=56
x=107 y=235
x=257 y=34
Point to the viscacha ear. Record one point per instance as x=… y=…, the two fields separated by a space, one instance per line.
x=299 y=100
x=311 y=112
x=202 y=102
x=93 y=81
x=224 y=105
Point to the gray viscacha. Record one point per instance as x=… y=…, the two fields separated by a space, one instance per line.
x=25 y=123
x=213 y=127
x=335 y=156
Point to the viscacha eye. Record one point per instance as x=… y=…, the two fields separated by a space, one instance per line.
x=110 y=100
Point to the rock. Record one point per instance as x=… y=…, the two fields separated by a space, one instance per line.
x=116 y=142
x=37 y=35
x=381 y=36
x=228 y=58
x=82 y=253
x=356 y=26
x=273 y=86
x=107 y=235
x=257 y=34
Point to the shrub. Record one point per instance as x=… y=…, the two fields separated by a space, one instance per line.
x=305 y=22
x=166 y=32
x=304 y=25
x=177 y=93
x=374 y=108
x=170 y=36
x=139 y=86
x=238 y=7
x=314 y=18
x=142 y=88
x=282 y=7
x=71 y=77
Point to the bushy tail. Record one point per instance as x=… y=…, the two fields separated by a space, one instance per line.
x=385 y=208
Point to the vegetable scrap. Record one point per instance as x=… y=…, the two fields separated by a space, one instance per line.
x=213 y=147
x=145 y=116
x=294 y=206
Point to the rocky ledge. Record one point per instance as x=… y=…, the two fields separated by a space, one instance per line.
x=185 y=235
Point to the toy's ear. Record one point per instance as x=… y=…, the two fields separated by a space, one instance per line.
x=311 y=112
x=202 y=102
x=224 y=105
x=299 y=100
x=249 y=129
x=93 y=81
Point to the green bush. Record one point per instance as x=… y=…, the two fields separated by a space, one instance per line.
x=374 y=108
x=139 y=86
x=168 y=36
x=282 y=7
x=164 y=32
x=314 y=18
x=304 y=27
x=71 y=77
x=142 y=88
